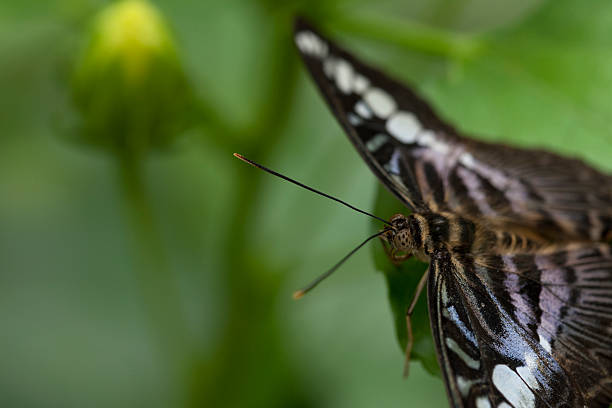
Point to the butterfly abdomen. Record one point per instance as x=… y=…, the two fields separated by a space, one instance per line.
x=511 y=242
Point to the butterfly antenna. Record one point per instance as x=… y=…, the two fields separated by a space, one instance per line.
x=299 y=293
x=259 y=166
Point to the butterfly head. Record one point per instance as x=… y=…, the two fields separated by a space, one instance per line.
x=400 y=235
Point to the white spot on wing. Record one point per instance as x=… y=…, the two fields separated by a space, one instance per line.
x=360 y=84
x=329 y=67
x=381 y=103
x=467 y=359
x=344 y=76
x=512 y=387
x=483 y=402
x=503 y=405
x=467 y=160
x=376 y=142
x=404 y=126
x=430 y=139
x=353 y=119
x=526 y=372
x=302 y=39
x=363 y=110
x=393 y=165
x=464 y=385
x=528 y=377
x=444 y=293
x=310 y=44
x=544 y=342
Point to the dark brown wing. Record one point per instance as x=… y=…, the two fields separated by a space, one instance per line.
x=557 y=196
x=429 y=166
x=523 y=329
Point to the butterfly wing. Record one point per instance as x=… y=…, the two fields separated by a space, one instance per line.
x=524 y=330
x=429 y=166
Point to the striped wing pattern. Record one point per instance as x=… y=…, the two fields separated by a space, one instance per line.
x=514 y=329
x=429 y=166
x=526 y=330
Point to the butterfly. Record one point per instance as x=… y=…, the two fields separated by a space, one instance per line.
x=519 y=283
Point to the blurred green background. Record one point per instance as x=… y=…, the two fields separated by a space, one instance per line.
x=142 y=265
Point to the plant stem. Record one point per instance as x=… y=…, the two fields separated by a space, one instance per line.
x=157 y=284
x=251 y=342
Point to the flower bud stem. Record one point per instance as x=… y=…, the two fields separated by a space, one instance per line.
x=158 y=286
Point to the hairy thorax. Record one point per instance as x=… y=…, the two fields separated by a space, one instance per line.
x=420 y=234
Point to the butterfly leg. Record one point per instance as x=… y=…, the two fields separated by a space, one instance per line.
x=409 y=310
x=386 y=246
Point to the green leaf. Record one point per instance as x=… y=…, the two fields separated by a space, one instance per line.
x=544 y=82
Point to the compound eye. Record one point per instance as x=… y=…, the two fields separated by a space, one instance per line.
x=402 y=239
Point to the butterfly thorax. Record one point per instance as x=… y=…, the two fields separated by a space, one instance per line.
x=420 y=234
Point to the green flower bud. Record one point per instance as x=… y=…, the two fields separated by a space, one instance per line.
x=129 y=86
